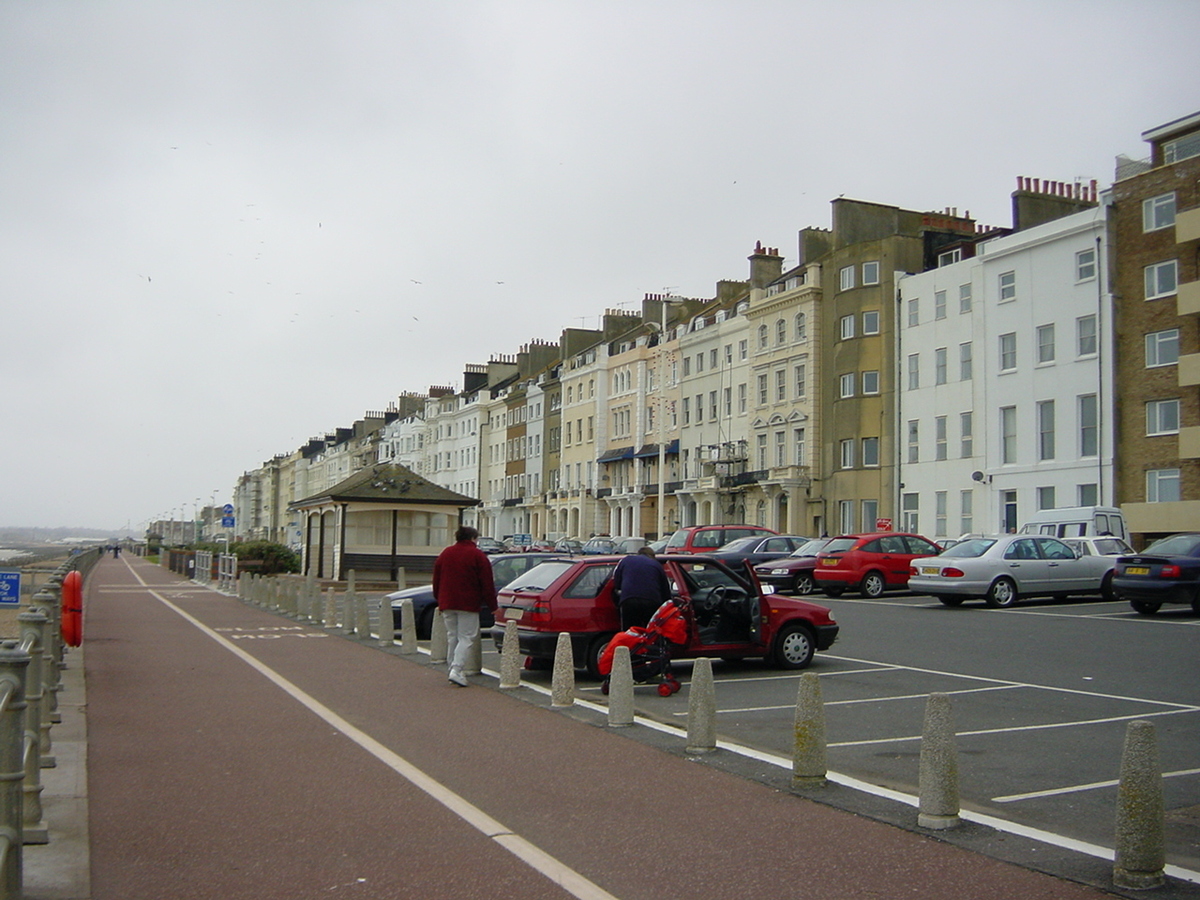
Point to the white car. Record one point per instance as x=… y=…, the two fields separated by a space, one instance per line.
x=1004 y=568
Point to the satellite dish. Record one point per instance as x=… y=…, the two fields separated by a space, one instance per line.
x=977 y=476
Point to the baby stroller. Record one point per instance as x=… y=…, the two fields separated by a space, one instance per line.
x=650 y=648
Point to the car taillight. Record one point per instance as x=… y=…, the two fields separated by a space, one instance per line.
x=951 y=572
x=1169 y=571
x=540 y=611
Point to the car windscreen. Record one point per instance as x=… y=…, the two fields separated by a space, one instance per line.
x=739 y=544
x=839 y=545
x=811 y=548
x=969 y=549
x=539 y=577
x=678 y=539
x=1176 y=545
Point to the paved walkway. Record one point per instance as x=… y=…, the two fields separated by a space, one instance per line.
x=232 y=753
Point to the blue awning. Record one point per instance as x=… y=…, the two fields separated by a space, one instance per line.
x=651 y=450
x=614 y=455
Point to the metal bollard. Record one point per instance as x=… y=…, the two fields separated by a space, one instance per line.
x=808 y=749
x=408 y=625
x=439 y=644
x=562 y=683
x=620 y=690
x=33 y=627
x=510 y=658
x=14 y=665
x=1141 y=852
x=938 y=768
x=702 y=709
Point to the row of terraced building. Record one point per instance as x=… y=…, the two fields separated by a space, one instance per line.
x=914 y=370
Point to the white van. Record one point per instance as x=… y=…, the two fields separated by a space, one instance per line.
x=1078 y=521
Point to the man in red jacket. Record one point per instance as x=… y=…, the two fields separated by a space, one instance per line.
x=462 y=585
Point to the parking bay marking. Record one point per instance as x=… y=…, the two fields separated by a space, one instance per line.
x=1079 y=788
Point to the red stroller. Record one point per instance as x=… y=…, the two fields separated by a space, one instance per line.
x=650 y=648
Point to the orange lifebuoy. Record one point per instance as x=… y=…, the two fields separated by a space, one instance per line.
x=72 y=609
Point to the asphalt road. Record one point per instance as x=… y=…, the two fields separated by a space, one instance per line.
x=1042 y=695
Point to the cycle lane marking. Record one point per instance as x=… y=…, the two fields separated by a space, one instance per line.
x=533 y=856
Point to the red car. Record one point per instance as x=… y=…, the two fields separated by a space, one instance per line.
x=728 y=615
x=869 y=563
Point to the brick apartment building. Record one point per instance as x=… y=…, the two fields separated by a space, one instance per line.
x=1155 y=222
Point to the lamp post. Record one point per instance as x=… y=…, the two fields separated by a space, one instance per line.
x=662 y=414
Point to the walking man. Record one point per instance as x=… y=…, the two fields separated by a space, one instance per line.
x=463 y=586
x=640 y=586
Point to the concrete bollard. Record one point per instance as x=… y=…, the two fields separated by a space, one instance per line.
x=938 y=771
x=387 y=623
x=510 y=658
x=14 y=662
x=363 y=612
x=330 y=608
x=562 y=682
x=33 y=628
x=438 y=643
x=808 y=750
x=401 y=579
x=1141 y=851
x=702 y=709
x=620 y=690
x=408 y=626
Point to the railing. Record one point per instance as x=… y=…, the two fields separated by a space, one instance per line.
x=29 y=683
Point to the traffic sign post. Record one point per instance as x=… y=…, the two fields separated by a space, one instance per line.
x=10 y=587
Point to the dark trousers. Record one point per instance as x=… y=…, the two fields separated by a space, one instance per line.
x=637 y=611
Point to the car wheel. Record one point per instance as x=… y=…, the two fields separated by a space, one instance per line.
x=425 y=623
x=1106 y=588
x=1196 y=604
x=794 y=647
x=594 y=651
x=872 y=585
x=948 y=600
x=803 y=583
x=1144 y=607
x=1002 y=593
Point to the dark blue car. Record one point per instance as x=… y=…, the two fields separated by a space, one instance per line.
x=505 y=567
x=1168 y=571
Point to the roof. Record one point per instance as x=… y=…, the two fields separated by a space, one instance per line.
x=389 y=483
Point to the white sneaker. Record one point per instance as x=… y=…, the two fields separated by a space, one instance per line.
x=456 y=677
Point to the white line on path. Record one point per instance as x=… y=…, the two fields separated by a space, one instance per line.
x=534 y=857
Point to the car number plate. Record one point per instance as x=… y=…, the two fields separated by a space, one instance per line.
x=829 y=562
x=1137 y=570
x=929 y=570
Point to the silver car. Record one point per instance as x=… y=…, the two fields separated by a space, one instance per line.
x=1004 y=568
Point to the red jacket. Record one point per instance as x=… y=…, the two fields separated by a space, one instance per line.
x=462 y=579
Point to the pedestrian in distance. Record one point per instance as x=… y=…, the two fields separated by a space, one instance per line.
x=462 y=586
x=640 y=587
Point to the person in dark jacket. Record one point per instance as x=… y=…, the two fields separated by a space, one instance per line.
x=640 y=586
x=462 y=585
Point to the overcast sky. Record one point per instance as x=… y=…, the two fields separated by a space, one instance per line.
x=226 y=227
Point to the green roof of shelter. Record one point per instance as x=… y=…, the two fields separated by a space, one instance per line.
x=387 y=483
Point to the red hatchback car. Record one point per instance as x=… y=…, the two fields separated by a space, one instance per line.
x=869 y=563
x=728 y=615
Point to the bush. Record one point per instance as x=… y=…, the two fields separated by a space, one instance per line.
x=275 y=558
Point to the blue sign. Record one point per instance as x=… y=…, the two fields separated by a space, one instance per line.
x=227 y=509
x=10 y=587
x=226 y=521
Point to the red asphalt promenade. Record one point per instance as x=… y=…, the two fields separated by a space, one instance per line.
x=229 y=759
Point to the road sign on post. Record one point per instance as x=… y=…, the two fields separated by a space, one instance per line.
x=10 y=587
x=226 y=521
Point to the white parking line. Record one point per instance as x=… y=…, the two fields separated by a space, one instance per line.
x=744 y=709
x=1079 y=788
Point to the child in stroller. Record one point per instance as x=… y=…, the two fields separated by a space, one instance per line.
x=650 y=647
